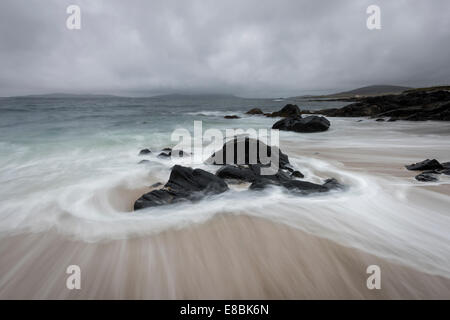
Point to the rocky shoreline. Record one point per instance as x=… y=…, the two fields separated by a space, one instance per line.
x=412 y=106
x=188 y=184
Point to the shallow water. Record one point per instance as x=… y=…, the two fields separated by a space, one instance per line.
x=71 y=166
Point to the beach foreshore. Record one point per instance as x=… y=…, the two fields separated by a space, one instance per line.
x=229 y=257
x=244 y=254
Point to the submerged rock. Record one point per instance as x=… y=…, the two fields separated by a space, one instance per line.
x=297 y=186
x=156 y=185
x=144 y=152
x=255 y=111
x=144 y=161
x=425 y=165
x=232 y=117
x=426 y=177
x=307 y=125
x=184 y=184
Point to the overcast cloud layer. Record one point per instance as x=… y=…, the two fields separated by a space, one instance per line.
x=245 y=47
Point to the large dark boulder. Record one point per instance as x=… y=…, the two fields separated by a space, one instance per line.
x=184 y=184
x=425 y=165
x=289 y=110
x=307 y=125
x=241 y=150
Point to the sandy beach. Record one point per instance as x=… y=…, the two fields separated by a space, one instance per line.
x=226 y=258
x=231 y=256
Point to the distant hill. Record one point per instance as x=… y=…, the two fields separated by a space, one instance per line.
x=374 y=90
x=371 y=91
x=194 y=96
x=66 y=96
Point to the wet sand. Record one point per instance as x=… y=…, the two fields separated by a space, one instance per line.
x=229 y=257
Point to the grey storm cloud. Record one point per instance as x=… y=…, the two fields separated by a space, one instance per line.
x=245 y=47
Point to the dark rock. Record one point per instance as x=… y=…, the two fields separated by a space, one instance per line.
x=426 y=165
x=307 y=125
x=289 y=110
x=255 y=111
x=297 y=186
x=279 y=176
x=445 y=171
x=297 y=174
x=156 y=185
x=380 y=120
x=289 y=168
x=243 y=156
x=143 y=161
x=445 y=165
x=426 y=177
x=164 y=155
x=167 y=150
x=193 y=180
x=432 y=172
x=333 y=184
x=179 y=153
x=155 y=198
x=184 y=184
x=144 y=152
x=236 y=173
x=261 y=184
x=304 y=187
x=232 y=117
x=412 y=106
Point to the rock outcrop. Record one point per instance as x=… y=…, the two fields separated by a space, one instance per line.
x=289 y=110
x=431 y=169
x=306 y=125
x=254 y=111
x=144 y=152
x=243 y=157
x=187 y=184
x=184 y=184
x=425 y=165
x=414 y=106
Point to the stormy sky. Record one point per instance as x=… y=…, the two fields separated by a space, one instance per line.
x=249 y=48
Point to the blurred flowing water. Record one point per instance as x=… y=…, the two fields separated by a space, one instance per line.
x=71 y=165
